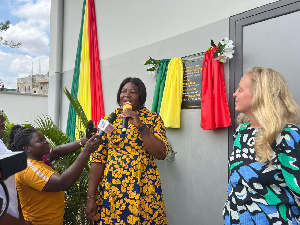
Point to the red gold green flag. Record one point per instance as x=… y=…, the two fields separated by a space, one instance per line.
x=86 y=84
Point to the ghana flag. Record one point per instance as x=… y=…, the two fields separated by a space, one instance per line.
x=86 y=84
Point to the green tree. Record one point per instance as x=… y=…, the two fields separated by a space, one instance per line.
x=4 y=27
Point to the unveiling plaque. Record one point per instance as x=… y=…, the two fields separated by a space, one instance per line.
x=192 y=74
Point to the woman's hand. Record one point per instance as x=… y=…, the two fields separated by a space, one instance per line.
x=84 y=140
x=91 y=208
x=92 y=144
x=133 y=117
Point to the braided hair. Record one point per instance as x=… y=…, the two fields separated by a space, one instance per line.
x=19 y=137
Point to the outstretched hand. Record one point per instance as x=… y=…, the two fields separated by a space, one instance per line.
x=92 y=144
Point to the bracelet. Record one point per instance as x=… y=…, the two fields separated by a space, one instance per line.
x=142 y=128
x=79 y=141
x=91 y=196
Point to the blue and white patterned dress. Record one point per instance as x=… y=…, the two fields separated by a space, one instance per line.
x=259 y=193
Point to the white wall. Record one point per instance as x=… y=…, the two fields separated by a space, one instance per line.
x=23 y=108
x=127 y=25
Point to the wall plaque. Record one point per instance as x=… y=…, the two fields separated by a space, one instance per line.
x=192 y=74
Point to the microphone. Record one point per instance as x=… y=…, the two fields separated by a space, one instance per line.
x=127 y=105
x=90 y=129
x=106 y=126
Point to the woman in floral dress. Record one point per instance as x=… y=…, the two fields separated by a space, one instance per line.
x=264 y=184
x=130 y=188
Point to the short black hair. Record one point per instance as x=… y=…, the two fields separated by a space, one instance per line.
x=139 y=83
x=20 y=137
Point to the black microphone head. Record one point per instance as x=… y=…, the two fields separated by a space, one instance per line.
x=112 y=117
x=90 y=130
x=90 y=124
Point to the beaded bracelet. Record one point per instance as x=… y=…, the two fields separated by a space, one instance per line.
x=79 y=141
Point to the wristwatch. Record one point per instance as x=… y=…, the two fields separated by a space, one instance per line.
x=142 y=128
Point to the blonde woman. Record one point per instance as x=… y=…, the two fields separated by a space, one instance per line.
x=264 y=185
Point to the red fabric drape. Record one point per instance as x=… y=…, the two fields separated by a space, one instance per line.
x=214 y=105
x=97 y=103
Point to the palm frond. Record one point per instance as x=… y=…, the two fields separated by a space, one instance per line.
x=46 y=125
x=77 y=107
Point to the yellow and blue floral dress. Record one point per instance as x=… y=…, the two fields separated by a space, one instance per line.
x=130 y=191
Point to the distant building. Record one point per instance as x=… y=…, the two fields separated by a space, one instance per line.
x=38 y=84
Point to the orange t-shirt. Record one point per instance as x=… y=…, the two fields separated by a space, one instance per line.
x=43 y=208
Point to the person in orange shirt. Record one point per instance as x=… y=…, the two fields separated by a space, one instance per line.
x=40 y=188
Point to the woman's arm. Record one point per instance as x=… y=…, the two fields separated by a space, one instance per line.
x=96 y=174
x=10 y=220
x=68 y=148
x=68 y=178
x=155 y=146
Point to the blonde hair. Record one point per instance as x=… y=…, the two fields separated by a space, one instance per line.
x=273 y=106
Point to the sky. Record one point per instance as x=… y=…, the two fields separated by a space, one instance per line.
x=30 y=25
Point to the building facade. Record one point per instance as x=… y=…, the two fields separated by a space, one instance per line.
x=35 y=84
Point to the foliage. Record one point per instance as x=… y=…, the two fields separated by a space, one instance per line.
x=76 y=196
x=8 y=126
x=54 y=134
x=5 y=135
x=4 y=27
x=77 y=107
x=153 y=62
x=219 y=50
x=224 y=50
x=171 y=154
